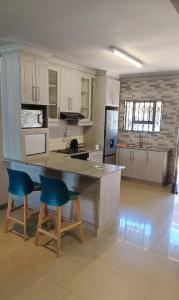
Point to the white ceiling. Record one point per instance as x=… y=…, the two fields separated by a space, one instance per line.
x=84 y=29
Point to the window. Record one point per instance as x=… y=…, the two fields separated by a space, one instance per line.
x=142 y=115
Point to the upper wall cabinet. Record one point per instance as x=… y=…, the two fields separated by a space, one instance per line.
x=34 y=80
x=70 y=91
x=87 y=97
x=112 y=92
x=54 y=88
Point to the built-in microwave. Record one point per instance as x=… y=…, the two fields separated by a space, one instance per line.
x=33 y=117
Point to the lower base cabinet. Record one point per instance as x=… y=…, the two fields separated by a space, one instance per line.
x=143 y=164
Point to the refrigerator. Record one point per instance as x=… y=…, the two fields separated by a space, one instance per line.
x=110 y=135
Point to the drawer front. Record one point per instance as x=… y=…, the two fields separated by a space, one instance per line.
x=35 y=143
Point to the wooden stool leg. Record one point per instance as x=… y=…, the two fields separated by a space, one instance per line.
x=9 y=207
x=25 y=217
x=40 y=220
x=78 y=215
x=58 y=229
x=46 y=215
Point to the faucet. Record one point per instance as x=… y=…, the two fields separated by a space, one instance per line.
x=141 y=140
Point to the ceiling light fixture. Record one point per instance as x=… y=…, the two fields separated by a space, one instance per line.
x=126 y=57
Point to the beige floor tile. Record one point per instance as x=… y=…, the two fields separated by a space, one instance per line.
x=71 y=296
x=104 y=281
x=28 y=252
x=9 y=267
x=136 y=260
x=10 y=242
x=67 y=271
x=43 y=289
x=18 y=281
x=160 y=292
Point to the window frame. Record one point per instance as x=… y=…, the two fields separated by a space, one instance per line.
x=143 y=122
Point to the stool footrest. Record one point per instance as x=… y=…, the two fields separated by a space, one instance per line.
x=16 y=220
x=72 y=225
x=17 y=207
x=48 y=233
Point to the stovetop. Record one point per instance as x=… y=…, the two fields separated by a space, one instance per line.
x=69 y=151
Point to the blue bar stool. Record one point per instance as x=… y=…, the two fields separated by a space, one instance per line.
x=55 y=193
x=20 y=184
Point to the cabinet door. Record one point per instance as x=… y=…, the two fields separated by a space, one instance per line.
x=116 y=92
x=66 y=90
x=109 y=91
x=86 y=98
x=75 y=105
x=154 y=170
x=54 y=84
x=124 y=158
x=41 y=81
x=28 y=84
x=139 y=164
x=35 y=143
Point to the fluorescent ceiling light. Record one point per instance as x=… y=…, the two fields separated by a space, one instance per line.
x=126 y=57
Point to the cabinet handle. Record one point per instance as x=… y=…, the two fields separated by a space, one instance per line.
x=69 y=99
x=38 y=93
x=33 y=93
x=147 y=157
x=36 y=98
x=71 y=103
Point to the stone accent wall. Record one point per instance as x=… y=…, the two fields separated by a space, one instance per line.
x=166 y=89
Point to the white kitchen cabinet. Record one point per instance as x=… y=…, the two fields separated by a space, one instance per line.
x=96 y=156
x=35 y=143
x=54 y=92
x=112 y=92
x=34 y=80
x=28 y=83
x=42 y=81
x=87 y=95
x=138 y=161
x=70 y=91
x=116 y=92
x=123 y=158
x=143 y=164
x=156 y=166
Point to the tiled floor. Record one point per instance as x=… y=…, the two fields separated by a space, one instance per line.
x=140 y=261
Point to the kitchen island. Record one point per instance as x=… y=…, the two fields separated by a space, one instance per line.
x=99 y=185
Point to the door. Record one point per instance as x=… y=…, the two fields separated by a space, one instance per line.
x=154 y=170
x=41 y=81
x=139 y=164
x=111 y=132
x=28 y=84
x=76 y=92
x=124 y=159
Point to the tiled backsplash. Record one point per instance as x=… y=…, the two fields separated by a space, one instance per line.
x=166 y=89
x=61 y=133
